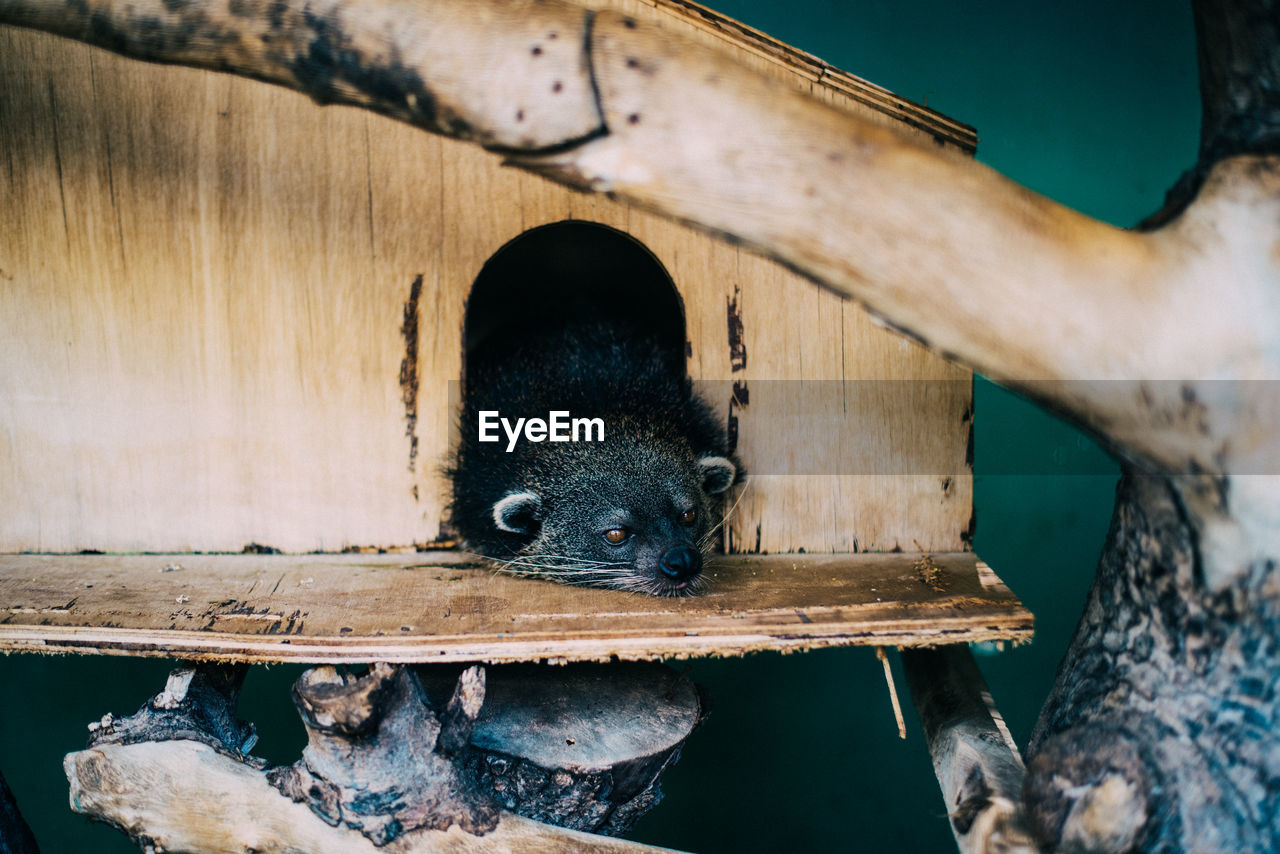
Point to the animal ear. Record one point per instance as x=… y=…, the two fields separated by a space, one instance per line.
x=718 y=474
x=517 y=512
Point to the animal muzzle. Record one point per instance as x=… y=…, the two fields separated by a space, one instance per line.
x=680 y=563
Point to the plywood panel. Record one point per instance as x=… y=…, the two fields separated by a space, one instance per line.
x=856 y=439
x=229 y=317
x=439 y=607
x=190 y=317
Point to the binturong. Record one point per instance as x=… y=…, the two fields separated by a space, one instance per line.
x=635 y=508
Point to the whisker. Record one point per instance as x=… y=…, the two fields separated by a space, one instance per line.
x=705 y=541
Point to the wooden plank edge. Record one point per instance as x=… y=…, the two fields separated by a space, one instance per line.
x=1016 y=628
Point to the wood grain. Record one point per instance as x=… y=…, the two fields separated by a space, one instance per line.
x=433 y=607
x=231 y=317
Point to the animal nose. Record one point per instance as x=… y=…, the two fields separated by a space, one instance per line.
x=680 y=563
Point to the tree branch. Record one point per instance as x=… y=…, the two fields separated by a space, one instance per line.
x=183 y=796
x=373 y=760
x=381 y=771
x=1164 y=706
x=198 y=703
x=944 y=248
x=1239 y=77
x=431 y=64
x=977 y=765
x=1238 y=48
x=951 y=251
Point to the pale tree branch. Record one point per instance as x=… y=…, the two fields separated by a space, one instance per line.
x=183 y=796
x=431 y=64
x=1116 y=329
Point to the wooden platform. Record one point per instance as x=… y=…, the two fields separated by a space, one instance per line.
x=443 y=606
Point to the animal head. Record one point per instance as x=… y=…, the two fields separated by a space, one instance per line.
x=636 y=517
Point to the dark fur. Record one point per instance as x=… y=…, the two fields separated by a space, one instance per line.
x=642 y=477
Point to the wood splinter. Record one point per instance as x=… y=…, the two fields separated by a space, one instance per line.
x=893 y=693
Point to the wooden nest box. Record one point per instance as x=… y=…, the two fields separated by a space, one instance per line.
x=234 y=325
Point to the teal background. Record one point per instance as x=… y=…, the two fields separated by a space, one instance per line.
x=1091 y=103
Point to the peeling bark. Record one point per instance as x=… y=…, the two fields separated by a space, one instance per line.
x=375 y=758
x=1160 y=733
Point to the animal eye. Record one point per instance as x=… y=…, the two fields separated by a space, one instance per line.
x=616 y=536
x=689 y=516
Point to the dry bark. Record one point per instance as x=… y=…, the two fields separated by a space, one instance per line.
x=1160 y=732
x=379 y=760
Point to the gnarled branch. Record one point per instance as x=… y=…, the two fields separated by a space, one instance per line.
x=383 y=771
x=942 y=247
x=184 y=796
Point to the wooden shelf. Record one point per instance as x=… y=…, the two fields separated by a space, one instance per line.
x=443 y=606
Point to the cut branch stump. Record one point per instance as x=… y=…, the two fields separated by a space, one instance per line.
x=582 y=746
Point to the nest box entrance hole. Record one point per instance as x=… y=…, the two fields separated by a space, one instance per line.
x=571 y=272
